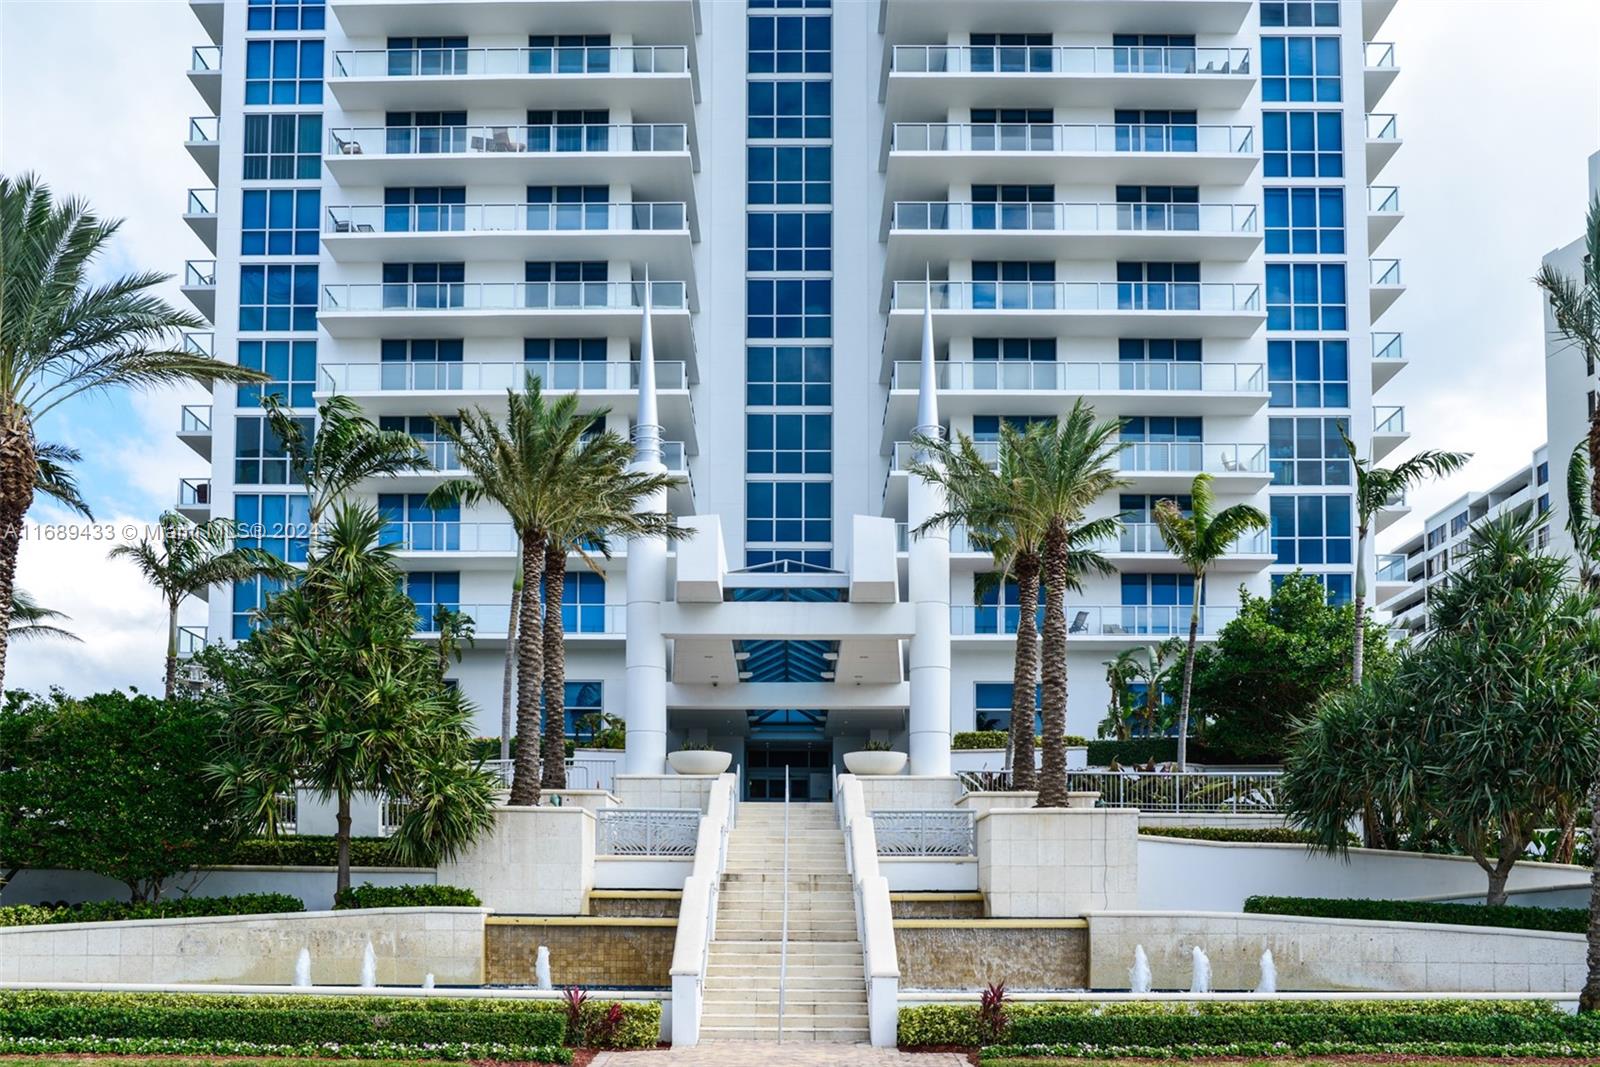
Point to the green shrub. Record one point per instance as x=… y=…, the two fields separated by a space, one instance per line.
x=192 y=1049
x=1512 y=916
x=1141 y=750
x=368 y=895
x=1260 y=835
x=310 y=850
x=100 y=911
x=640 y=1026
x=970 y=739
x=1032 y=1055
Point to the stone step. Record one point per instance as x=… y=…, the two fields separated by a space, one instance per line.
x=757 y=985
x=841 y=998
x=836 y=1036
x=797 y=971
x=734 y=1014
x=729 y=927
x=728 y=944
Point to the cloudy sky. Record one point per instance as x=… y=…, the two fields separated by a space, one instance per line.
x=1492 y=176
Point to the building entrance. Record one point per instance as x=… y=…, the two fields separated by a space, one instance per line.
x=809 y=764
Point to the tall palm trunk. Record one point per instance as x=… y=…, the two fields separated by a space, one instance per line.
x=341 y=880
x=19 y=466
x=172 y=649
x=1025 y=674
x=530 y=665
x=1053 y=672
x=1359 y=648
x=555 y=669
x=1188 y=672
x=508 y=684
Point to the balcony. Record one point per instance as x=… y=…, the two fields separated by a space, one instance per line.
x=1095 y=625
x=1391 y=576
x=1381 y=70
x=191 y=639
x=1126 y=388
x=200 y=285
x=201 y=215
x=655 y=159
x=1386 y=285
x=1388 y=358
x=200 y=344
x=194 y=428
x=585 y=624
x=902 y=20
x=499 y=309
x=922 y=231
x=935 y=79
x=632 y=78
x=654 y=233
x=1394 y=509
x=205 y=143
x=209 y=14
x=1388 y=430
x=664 y=21
x=929 y=155
x=1383 y=141
x=205 y=74
x=1383 y=214
x=194 y=499
x=1139 y=547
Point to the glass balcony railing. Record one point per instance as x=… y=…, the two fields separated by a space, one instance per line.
x=1385 y=271
x=502 y=296
x=1136 y=620
x=195 y=419
x=191 y=639
x=1383 y=200
x=1383 y=128
x=1388 y=421
x=1157 y=457
x=204 y=129
x=1046 y=59
x=468 y=62
x=1079 y=296
x=201 y=202
x=480 y=140
x=1388 y=346
x=200 y=344
x=1396 y=500
x=918 y=215
x=506 y=218
x=205 y=59
x=1380 y=55
x=495 y=618
x=1140 y=537
x=194 y=492
x=1392 y=567
x=200 y=274
x=1128 y=375
x=1048 y=137
x=563 y=376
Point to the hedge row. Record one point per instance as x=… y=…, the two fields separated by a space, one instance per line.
x=368 y=895
x=1260 y=835
x=1141 y=750
x=316 y=1020
x=1512 y=916
x=100 y=911
x=1291 y=1023
x=971 y=739
x=191 y=1047
x=1020 y=1055
x=310 y=850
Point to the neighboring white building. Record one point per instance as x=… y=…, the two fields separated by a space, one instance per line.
x=1165 y=208
x=1416 y=565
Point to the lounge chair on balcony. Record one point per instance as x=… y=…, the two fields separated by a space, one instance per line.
x=502 y=141
x=351 y=147
x=1080 y=623
x=1230 y=464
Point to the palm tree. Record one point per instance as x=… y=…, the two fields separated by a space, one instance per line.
x=1583 y=523
x=344 y=450
x=185 y=561
x=1152 y=667
x=31 y=620
x=1575 y=309
x=508 y=681
x=978 y=495
x=1062 y=469
x=1121 y=671
x=62 y=336
x=1199 y=539
x=1375 y=487
x=454 y=629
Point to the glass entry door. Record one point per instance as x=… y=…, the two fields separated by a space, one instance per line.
x=809 y=764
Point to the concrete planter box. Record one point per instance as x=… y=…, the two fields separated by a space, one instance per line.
x=875 y=763
x=699 y=762
x=1086 y=799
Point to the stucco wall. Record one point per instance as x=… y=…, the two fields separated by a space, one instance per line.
x=536 y=861
x=664 y=790
x=313 y=885
x=1057 y=862
x=1333 y=954
x=408 y=943
x=906 y=792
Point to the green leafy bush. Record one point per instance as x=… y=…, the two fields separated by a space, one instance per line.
x=202 y=1047
x=640 y=1026
x=1511 y=916
x=310 y=850
x=1292 y=1023
x=1260 y=835
x=970 y=739
x=1140 y=750
x=1031 y=1055
x=101 y=911
x=368 y=895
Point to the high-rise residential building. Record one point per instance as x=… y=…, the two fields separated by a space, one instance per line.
x=855 y=219
x=1415 y=566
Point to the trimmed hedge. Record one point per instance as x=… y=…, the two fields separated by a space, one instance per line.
x=191 y=1048
x=100 y=911
x=1260 y=835
x=288 y=1019
x=1510 y=916
x=310 y=850
x=368 y=895
x=1030 y=1055
x=1290 y=1023
x=1140 y=750
x=971 y=739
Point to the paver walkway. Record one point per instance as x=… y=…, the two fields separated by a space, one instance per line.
x=771 y=1054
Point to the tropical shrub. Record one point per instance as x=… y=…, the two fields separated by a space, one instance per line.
x=1258 y=835
x=368 y=895
x=103 y=911
x=310 y=850
x=1512 y=916
x=971 y=739
x=1140 y=750
x=137 y=1050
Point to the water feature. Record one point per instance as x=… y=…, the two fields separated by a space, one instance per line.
x=1200 y=981
x=369 y=968
x=302 y=969
x=1139 y=975
x=427 y=980
x=1269 y=974
x=541 y=967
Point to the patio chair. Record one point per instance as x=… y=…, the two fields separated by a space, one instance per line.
x=1080 y=623
x=351 y=147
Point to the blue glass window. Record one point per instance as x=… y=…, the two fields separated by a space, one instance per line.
x=420 y=363
x=997 y=610
x=291 y=369
x=1300 y=69
x=1139 y=509
x=789 y=444
x=283 y=72
x=260 y=457
x=564 y=349
x=432 y=56
x=1311 y=529
x=250 y=597
x=275 y=297
x=788 y=307
x=1031 y=349
x=987 y=427
x=1302 y=144
x=1156 y=603
x=789 y=512
x=424 y=285
x=424 y=132
x=789 y=110
x=1299 y=13
x=1010 y=53
x=569 y=53
x=789 y=241
x=583 y=605
x=280 y=222
x=992 y=707
x=424 y=209
x=1304 y=221
x=279 y=523
x=791 y=44
x=440 y=450
x=789 y=376
x=1309 y=374
x=1008 y=207
x=1158 y=286
x=409 y=521
x=282 y=147
x=1156 y=131
x=1163 y=428
x=1153 y=53
x=591 y=270
x=569 y=130
x=569 y=207
x=582 y=699
x=1159 y=349
x=1158 y=207
x=789 y=174
x=286 y=15
x=1340 y=587
x=1307 y=452
x=430 y=591
x=1013 y=284
x=1306 y=296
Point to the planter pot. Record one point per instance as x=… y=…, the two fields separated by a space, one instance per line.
x=699 y=762
x=874 y=763
x=1083 y=800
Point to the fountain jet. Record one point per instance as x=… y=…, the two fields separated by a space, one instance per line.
x=302 y=969
x=541 y=967
x=1139 y=975
x=369 y=968
x=1269 y=974
x=1200 y=982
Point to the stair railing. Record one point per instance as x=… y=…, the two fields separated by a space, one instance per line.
x=783 y=945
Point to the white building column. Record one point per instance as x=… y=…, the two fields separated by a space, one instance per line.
x=928 y=575
x=645 y=649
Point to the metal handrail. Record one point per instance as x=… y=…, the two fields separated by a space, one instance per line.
x=1068 y=59
x=630 y=216
x=944 y=215
x=783 y=945
x=474 y=377
x=507 y=138
x=1002 y=296
x=501 y=296
x=1137 y=137
x=1127 y=375
x=1383 y=127
x=556 y=60
x=201 y=202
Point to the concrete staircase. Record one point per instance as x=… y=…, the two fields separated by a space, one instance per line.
x=825 y=995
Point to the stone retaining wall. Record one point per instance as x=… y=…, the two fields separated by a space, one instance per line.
x=611 y=953
x=969 y=954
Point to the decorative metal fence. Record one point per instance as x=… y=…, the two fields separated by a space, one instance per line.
x=1217 y=792
x=582 y=773
x=647 y=831
x=924 y=833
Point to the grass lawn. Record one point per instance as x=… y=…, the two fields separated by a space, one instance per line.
x=1310 y=1061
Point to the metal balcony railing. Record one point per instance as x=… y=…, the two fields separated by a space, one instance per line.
x=496 y=618
x=200 y=274
x=1195 y=456
x=506 y=218
x=1392 y=567
x=918 y=215
x=1383 y=200
x=559 y=375
x=205 y=59
x=194 y=492
x=646 y=831
x=502 y=296
x=1047 y=59
x=925 y=833
x=1128 y=375
x=1383 y=128
x=1086 y=137
x=467 y=62
x=1388 y=421
x=195 y=419
x=1141 y=537
x=1079 y=296
x=201 y=202
x=204 y=129
x=1388 y=346
x=1385 y=271
x=199 y=344
x=191 y=639
x=1379 y=55
x=1137 y=620
x=479 y=140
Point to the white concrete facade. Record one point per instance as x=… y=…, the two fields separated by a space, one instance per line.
x=418 y=104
